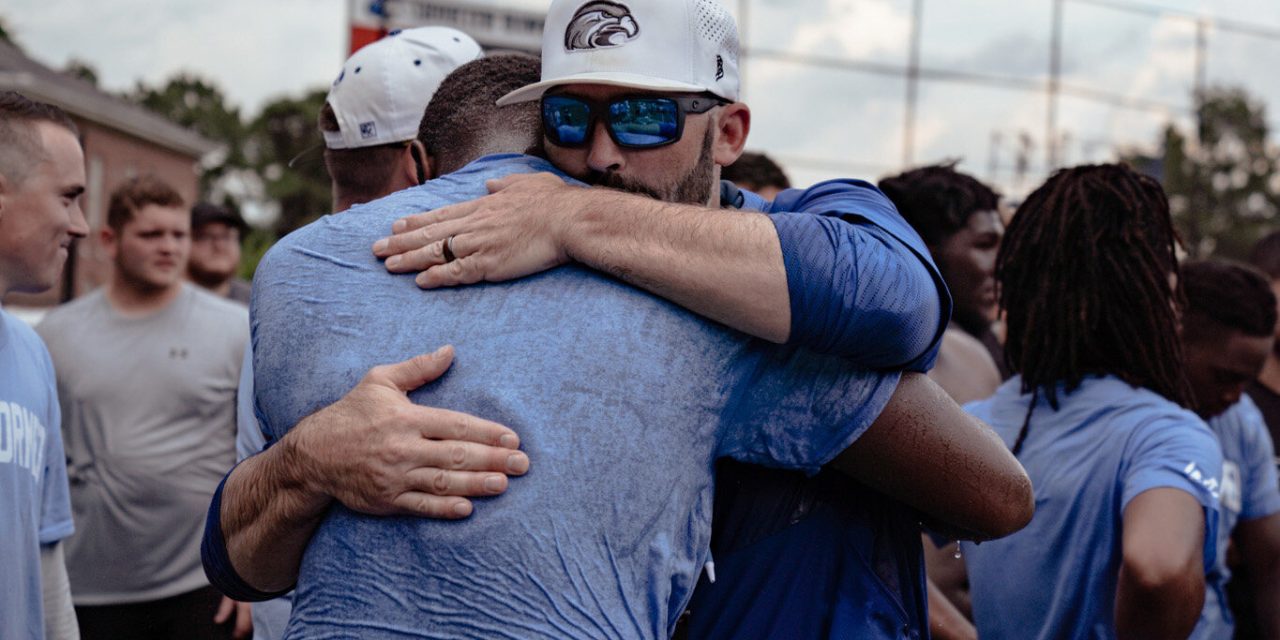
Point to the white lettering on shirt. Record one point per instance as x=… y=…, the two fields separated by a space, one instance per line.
x=22 y=438
x=1209 y=483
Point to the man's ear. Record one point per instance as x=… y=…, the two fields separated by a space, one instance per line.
x=421 y=162
x=108 y=238
x=733 y=125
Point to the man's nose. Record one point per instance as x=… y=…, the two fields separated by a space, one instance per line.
x=603 y=155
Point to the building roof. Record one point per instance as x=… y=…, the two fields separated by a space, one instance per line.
x=84 y=100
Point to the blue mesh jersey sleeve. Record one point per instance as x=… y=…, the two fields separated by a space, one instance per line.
x=1261 y=490
x=1177 y=453
x=861 y=280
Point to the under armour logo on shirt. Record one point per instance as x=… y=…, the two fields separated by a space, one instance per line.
x=178 y=353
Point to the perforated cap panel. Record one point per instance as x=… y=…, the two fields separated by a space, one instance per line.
x=715 y=24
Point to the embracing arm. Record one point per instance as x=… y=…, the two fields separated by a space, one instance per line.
x=925 y=451
x=1259 y=543
x=1161 y=589
x=375 y=452
x=819 y=281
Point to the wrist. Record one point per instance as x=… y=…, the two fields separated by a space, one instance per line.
x=299 y=472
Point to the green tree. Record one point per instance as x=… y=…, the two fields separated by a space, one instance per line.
x=197 y=104
x=1223 y=185
x=83 y=70
x=287 y=151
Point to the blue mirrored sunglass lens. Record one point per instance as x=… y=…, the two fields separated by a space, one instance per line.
x=644 y=121
x=566 y=121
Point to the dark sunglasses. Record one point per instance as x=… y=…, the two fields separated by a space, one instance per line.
x=634 y=122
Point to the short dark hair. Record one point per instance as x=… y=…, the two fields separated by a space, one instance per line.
x=362 y=173
x=1227 y=294
x=20 y=145
x=135 y=194
x=756 y=171
x=463 y=121
x=1084 y=277
x=937 y=200
x=1266 y=255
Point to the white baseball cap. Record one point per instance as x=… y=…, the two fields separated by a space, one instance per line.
x=384 y=87
x=653 y=45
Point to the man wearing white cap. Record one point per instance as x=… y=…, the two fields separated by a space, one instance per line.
x=622 y=405
x=370 y=119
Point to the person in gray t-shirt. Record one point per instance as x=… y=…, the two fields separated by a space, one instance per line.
x=148 y=399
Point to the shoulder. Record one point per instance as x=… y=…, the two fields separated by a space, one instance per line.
x=218 y=308
x=69 y=316
x=22 y=338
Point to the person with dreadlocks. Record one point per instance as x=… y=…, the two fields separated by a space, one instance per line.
x=1126 y=480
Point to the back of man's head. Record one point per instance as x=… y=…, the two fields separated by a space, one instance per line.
x=756 y=172
x=463 y=121
x=1226 y=296
x=370 y=117
x=20 y=144
x=938 y=200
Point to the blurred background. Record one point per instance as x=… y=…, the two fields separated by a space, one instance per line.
x=220 y=97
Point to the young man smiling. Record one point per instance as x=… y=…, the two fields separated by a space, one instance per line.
x=148 y=398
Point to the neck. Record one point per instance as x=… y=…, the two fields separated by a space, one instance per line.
x=130 y=299
x=220 y=286
x=1270 y=376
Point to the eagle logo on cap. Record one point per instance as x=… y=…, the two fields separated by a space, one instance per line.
x=600 y=25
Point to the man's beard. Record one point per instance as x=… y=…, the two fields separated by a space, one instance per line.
x=208 y=279
x=693 y=188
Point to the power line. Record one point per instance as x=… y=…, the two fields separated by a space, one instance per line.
x=1224 y=24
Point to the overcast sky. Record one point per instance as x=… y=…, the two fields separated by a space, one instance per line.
x=821 y=122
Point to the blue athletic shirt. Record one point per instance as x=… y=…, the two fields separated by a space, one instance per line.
x=623 y=402
x=1249 y=491
x=35 y=506
x=822 y=557
x=1107 y=443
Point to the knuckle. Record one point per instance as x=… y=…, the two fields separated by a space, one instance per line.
x=440 y=482
x=458 y=456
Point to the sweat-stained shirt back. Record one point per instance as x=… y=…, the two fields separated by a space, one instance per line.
x=623 y=403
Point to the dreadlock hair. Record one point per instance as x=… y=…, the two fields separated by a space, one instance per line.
x=938 y=200
x=1225 y=296
x=1084 y=274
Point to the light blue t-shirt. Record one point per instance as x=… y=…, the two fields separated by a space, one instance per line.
x=623 y=402
x=35 y=507
x=1249 y=491
x=1107 y=443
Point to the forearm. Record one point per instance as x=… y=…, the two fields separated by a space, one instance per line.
x=1265 y=580
x=926 y=452
x=268 y=515
x=59 y=613
x=724 y=265
x=1152 y=611
x=945 y=620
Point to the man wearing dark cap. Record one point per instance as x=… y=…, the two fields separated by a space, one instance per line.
x=216 y=233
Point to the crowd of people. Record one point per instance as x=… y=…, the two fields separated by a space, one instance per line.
x=567 y=362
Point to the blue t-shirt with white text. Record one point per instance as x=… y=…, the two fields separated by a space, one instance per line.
x=623 y=402
x=1249 y=491
x=35 y=505
x=1106 y=443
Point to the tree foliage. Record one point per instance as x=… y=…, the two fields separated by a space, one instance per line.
x=1222 y=179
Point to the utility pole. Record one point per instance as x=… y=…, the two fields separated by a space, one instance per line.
x=1055 y=79
x=913 y=85
x=1202 y=56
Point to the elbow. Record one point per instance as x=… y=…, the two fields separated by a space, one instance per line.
x=1010 y=510
x=1157 y=577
